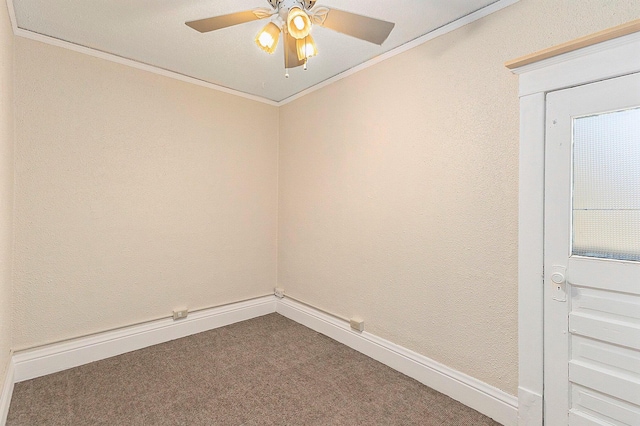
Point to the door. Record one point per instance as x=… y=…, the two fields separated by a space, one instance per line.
x=592 y=254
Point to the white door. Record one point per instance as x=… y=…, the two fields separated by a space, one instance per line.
x=592 y=255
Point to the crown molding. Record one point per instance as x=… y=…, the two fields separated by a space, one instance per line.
x=487 y=10
x=452 y=26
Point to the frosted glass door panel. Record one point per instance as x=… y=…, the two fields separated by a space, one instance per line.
x=606 y=185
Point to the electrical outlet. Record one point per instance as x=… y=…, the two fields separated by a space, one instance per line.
x=357 y=324
x=279 y=292
x=179 y=314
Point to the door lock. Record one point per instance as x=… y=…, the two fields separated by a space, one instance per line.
x=558 y=283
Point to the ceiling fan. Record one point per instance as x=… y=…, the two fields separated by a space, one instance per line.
x=294 y=18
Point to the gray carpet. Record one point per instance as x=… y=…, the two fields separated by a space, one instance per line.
x=265 y=371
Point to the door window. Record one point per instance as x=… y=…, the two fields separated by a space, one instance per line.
x=606 y=185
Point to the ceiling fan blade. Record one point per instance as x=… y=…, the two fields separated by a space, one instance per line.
x=223 y=21
x=369 y=29
x=291 y=54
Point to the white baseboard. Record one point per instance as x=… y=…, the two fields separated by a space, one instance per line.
x=7 y=391
x=61 y=356
x=472 y=392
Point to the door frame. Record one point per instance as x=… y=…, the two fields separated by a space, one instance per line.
x=609 y=54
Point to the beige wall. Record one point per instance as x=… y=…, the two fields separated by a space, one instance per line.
x=135 y=194
x=399 y=193
x=6 y=184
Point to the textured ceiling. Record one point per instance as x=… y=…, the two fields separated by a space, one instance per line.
x=154 y=32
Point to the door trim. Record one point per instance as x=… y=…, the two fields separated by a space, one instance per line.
x=609 y=59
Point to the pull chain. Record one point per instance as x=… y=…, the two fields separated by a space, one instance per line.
x=305 y=53
x=286 y=54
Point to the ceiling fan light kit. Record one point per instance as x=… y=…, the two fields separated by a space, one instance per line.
x=298 y=23
x=306 y=47
x=267 y=38
x=295 y=19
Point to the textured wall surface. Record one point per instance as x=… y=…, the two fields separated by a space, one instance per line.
x=6 y=184
x=398 y=202
x=135 y=194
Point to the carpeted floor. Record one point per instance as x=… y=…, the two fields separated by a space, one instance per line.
x=265 y=371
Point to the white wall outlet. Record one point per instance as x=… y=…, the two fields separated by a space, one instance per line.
x=279 y=292
x=357 y=324
x=180 y=313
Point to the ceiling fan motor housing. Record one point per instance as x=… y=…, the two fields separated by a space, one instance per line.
x=283 y=6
